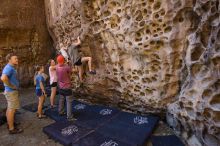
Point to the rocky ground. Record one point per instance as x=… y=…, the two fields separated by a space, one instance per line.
x=33 y=135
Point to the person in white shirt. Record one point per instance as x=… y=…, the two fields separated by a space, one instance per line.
x=53 y=81
x=64 y=52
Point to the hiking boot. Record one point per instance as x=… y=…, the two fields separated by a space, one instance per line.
x=93 y=72
x=15 y=131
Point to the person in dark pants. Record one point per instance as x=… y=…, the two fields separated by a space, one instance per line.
x=11 y=84
x=65 y=91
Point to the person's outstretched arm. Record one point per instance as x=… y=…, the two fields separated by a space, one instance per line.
x=78 y=42
x=64 y=53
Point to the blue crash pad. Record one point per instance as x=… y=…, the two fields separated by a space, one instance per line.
x=53 y=113
x=137 y=121
x=108 y=125
x=66 y=132
x=89 y=116
x=32 y=107
x=130 y=128
x=97 y=139
x=168 y=140
x=93 y=116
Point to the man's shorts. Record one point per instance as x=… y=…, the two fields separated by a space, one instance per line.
x=78 y=62
x=12 y=99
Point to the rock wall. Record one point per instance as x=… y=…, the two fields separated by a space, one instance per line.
x=196 y=113
x=150 y=56
x=135 y=45
x=23 y=30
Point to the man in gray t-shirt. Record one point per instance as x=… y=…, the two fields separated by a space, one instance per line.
x=77 y=60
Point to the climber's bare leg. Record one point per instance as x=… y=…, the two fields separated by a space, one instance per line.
x=80 y=69
x=89 y=60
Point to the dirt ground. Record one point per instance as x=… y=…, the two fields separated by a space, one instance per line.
x=33 y=135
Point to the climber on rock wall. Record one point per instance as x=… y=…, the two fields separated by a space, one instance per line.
x=77 y=60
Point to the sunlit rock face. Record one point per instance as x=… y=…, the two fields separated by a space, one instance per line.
x=23 y=30
x=150 y=55
x=196 y=113
x=136 y=48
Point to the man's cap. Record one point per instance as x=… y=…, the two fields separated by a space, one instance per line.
x=60 y=59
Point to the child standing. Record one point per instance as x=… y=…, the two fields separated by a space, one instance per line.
x=40 y=90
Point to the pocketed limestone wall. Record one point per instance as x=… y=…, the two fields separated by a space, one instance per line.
x=150 y=56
